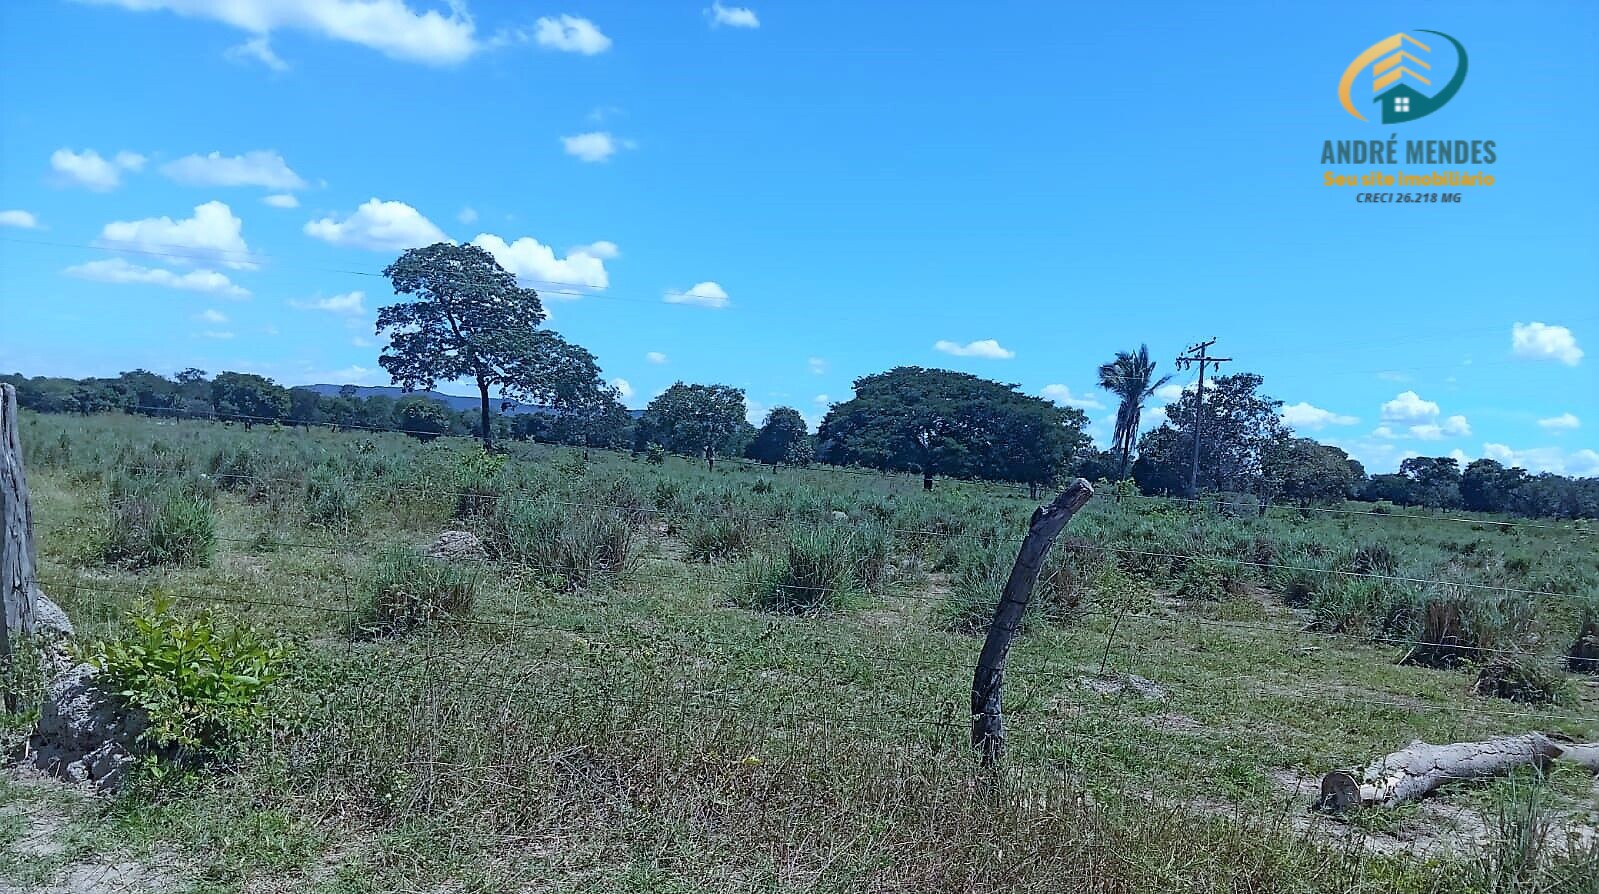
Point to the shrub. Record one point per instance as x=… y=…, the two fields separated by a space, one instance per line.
x=1374 y=558
x=719 y=536
x=1451 y=625
x=166 y=527
x=476 y=482
x=655 y=454
x=406 y=590
x=1206 y=578
x=329 y=498
x=199 y=682
x=1522 y=681
x=567 y=546
x=1583 y=655
x=819 y=568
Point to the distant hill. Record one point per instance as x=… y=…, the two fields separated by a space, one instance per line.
x=456 y=402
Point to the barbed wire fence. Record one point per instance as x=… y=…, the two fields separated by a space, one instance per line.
x=799 y=721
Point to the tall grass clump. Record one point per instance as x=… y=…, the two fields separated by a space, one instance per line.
x=819 y=568
x=982 y=566
x=148 y=525
x=565 y=546
x=330 y=499
x=1449 y=625
x=719 y=536
x=405 y=590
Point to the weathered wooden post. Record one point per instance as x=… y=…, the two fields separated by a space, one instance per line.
x=18 y=585
x=988 y=723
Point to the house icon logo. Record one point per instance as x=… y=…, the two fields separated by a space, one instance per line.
x=1397 y=65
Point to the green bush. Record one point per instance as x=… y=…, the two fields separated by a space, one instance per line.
x=708 y=538
x=199 y=682
x=1451 y=625
x=164 y=527
x=568 y=546
x=406 y=590
x=330 y=499
x=1522 y=680
x=819 y=568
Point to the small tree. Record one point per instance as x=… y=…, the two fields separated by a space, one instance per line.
x=689 y=419
x=421 y=418
x=248 y=398
x=783 y=438
x=468 y=318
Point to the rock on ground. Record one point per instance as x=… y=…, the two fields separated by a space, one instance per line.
x=84 y=734
x=455 y=545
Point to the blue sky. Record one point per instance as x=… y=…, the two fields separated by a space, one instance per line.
x=786 y=196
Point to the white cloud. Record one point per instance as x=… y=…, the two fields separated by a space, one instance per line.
x=1392 y=376
x=1303 y=415
x=348 y=304
x=1454 y=426
x=603 y=249
x=360 y=341
x=258 y=49
x=655 y=357
x=379 y=226
x=282 y=200
x=212 y=234
x=211 y=315
x=89 y=170
x=262 y=167
x=570 y=34
x=623 y=388
x=1539 y=341
x=20 y=219
x=467 y=215
x=705 y=294
x=1579 y=463
x=388 y=26
x=118 y=270
x=533 y=261
x=1563 y=422
x=217 y=334
x=594 y=146
x=732 y=16
x=816 y=365
x=1170 y=392
x=1062 y=395
x=1408 y=406
x=821 y=400
x=986 y=347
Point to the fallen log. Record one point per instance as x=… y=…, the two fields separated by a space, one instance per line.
x=1420 y=768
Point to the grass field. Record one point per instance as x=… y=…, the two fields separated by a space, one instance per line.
x=668 y=679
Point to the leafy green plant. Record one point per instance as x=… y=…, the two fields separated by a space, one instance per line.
x=718 y=536
x=406 y=590
x=198 y=681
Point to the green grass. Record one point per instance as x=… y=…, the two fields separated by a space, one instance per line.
x=632 y=698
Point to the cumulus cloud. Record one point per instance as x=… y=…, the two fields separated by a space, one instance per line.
x=1563 y=422
x=118 y=270
x=379 y=226
x=821 y=400
x=603 y=249
x=282 y=200
x=1169 y=392
x=732 y=16
x=24 y=220
x=1454 y=426
x=570 y=34
x=390 y=27
x=624 y=388
x=816 y=365
x=346 y=304
x=1579 y=463
x=1062 y=395
x=987 y=347
x=1304 y=415
x=534 y=262
x=88 y=170
x=214 y=233
x=262 y=167
x=705 y=294
x=655 y=357
x=1540 y=341
x=256 y=49
x=1408 y=406
x=594 y=146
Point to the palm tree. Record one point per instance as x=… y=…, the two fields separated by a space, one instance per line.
x=1129 y=377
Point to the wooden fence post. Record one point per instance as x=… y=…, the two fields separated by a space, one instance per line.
x=988 y=723
x=18 y=586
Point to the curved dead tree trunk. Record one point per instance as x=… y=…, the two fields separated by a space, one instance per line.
x=1420 y=768
x=988 y=723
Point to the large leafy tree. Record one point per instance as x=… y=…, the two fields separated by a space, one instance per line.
x=940 y=422
x=1131 y=377
x=467 y=318
x=690 y=419
x=783 y=438
x=1240 y=427
x=248 y=398
x=1488 y=486
x=1305 y=471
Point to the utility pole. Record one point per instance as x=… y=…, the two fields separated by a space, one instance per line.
x=1198 y=354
